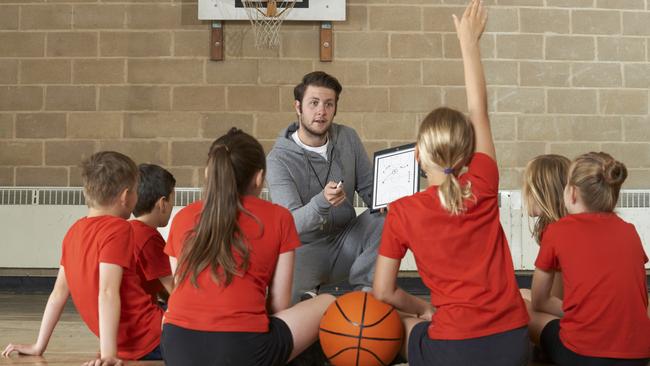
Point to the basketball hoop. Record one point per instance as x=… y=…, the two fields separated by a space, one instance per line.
x=266 y=17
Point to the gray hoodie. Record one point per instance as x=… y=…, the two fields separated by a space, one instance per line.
x=293 y=183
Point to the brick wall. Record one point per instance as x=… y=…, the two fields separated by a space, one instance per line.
x=564 y=76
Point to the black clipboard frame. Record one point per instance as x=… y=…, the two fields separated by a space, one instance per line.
x=391 y=152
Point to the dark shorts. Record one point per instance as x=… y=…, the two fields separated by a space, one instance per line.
x=504 y=349
x=186 y=347
x=155 y=355
x=554 y=348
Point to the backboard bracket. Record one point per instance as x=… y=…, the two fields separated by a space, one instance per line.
x=216 y=40
x=326 y=42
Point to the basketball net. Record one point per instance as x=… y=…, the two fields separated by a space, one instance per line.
x=266 y=17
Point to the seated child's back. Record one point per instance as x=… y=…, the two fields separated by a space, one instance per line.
x=153 y=210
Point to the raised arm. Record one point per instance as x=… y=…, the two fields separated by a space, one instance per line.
x=469 y=29
x=51 y=315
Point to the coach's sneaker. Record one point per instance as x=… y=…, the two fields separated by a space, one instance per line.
x=308 y=295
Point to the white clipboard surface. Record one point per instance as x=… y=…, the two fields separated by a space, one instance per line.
x=396 y=174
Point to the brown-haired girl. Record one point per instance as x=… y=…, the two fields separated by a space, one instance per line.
x=603 y=317
x=544 y=181
x=235 y=267
x=454 y=232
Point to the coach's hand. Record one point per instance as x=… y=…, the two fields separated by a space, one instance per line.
x=335 y=196
x=22 y=349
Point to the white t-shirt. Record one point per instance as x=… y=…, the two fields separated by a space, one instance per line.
x=320 y=150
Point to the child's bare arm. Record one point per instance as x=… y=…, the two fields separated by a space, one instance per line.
x=469 y=29
x=168 y=283
x=384 y=288
x=110 y=280
x=51 y=315
x=279 y=297
x=542 y=299
x=173 y=263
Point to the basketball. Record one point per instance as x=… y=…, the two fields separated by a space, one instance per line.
x=359 y=330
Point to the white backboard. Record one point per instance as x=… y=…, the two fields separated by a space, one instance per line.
x=304 y=10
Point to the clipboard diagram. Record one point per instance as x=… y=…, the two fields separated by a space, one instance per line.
x=396 y=174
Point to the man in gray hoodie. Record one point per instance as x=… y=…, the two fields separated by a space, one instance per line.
x=314 y=169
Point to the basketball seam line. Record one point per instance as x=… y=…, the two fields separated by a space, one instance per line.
x=373 y=354
x=354 y=336
x=380 y=320
x=363 y=317
x=343 y=313
x=358 y=348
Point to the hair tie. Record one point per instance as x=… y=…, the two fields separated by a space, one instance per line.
x=448 y=171
x=225 y=147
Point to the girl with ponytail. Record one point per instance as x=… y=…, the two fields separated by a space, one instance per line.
x=233 y=255
x=476 y=315
x=603 y=317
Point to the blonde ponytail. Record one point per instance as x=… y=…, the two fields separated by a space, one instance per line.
x=446 y=141
x=452 y=195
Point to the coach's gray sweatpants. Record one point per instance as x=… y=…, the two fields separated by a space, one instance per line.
x=350 y=255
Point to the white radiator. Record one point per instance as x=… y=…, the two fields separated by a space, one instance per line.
x=34 y=221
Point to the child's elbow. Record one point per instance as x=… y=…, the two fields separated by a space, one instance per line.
x=381 y=294
x=537 y=304
x=109 y=293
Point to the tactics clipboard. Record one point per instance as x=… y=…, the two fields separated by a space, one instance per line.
x=396 y=173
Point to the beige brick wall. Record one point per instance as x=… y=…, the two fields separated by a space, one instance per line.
x=77 y=76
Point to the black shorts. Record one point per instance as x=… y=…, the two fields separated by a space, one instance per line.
x=554 y=348
x=509 y=348
x=186 y=347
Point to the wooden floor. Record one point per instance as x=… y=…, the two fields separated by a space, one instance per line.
x=71 y=344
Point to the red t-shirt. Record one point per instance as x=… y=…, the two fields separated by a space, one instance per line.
x=151 y=262
x=464 y=260
x=109 y=239
x=240 y=306
x=183 y=223
x=605 y=293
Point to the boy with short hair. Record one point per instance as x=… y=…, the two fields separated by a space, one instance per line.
x=153 y=210
x=98 y=269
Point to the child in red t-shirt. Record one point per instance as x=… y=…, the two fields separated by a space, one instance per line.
x=476 y=315
x=98 y=269
x=544 y=181
x=603 y=318
x=234 y=270
x=153 y=210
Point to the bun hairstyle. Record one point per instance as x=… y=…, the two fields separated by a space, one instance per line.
x=544 y=180
x=217 y=241
x=446 y=142
x=599 y=178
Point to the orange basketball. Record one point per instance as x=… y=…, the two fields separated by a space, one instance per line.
x=359 y=330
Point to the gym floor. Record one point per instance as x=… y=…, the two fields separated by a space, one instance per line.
x=71 y=344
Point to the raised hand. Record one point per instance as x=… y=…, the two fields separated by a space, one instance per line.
x=472 y=24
